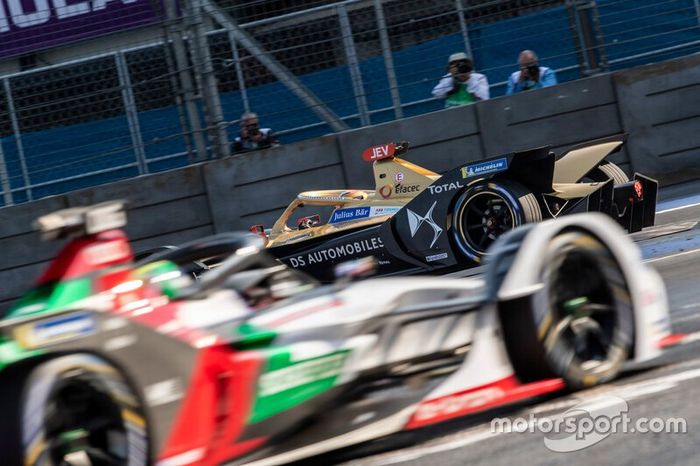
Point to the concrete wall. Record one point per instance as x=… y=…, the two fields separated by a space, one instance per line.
x=658 y=105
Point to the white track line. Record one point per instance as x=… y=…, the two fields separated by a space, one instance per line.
x=673 y=209
x=672 y=255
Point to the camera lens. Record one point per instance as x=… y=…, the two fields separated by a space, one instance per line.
x=464 y=68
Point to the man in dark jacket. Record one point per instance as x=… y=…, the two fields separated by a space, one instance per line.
x=252 y=136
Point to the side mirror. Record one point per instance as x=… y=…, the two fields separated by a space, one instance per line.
x=259 y=230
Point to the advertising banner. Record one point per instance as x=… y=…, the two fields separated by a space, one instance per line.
x=31 y=25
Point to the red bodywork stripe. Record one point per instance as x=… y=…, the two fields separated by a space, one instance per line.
x=480 y=398
x=672 y=340
x=216 y=407
x=90 y=254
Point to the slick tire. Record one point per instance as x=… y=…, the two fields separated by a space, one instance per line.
x=71 y=408
x=608 y=171
x=486 y=210
x=580 y=325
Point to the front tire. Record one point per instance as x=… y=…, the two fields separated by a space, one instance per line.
x=75 y=408
x=486 y=210
x=580 y=325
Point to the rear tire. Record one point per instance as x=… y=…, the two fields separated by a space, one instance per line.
x=580 y=325
x=486 y=210
x=72 y=408
x=608 y=171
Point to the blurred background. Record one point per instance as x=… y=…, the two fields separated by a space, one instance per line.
x=99 y=91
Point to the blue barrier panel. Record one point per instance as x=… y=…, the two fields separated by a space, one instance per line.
x=631 y=27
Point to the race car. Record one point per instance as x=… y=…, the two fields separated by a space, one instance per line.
x=107 y=362
x=416 y=221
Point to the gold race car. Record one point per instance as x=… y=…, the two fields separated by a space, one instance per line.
x=418 y=221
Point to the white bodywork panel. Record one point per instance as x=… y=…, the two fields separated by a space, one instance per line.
x=646 y=287
x=576 y=163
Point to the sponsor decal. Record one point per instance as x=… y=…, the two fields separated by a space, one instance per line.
x=344 y=215
x=104 y=253
x=162 y=393
x=29 y=25
x=415 y=221
x=379 y=152
x=354 y=213
x=451 y=405
x=436 y=257
x=383 y=210
x=300 y=374
x=385 y=191
x=55 y=330
x=443 y=188
x=399 y=177
x=483 y=168
x=337 y=252
x=401 y=189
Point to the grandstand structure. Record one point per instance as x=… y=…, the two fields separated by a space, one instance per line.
x=104 y=90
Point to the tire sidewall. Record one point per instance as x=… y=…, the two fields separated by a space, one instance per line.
x=623 y=336
x=39 y=388
x=479 y=188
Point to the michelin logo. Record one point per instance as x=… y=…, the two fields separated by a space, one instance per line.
x=484 y=168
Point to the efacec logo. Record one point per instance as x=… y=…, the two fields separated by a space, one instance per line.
x=415 y=221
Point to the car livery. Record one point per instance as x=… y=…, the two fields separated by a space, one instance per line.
x=109 y=362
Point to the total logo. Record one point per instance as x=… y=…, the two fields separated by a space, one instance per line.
x=442 y=188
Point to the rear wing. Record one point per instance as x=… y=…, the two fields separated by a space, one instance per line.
x=82 y=221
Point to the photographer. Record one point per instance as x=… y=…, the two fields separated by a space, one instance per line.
x=531 y=74
x=252 y=136
x=461 y=86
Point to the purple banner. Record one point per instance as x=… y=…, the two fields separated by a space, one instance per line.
x=31 y=25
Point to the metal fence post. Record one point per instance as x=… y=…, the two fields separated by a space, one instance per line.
x=210 y=87
x=132 y=115
x=276 y=68
x=463 y=27
x=4 y=179
x=174 y=33
x=354 y=66
x=239 y=71
x=388 y=59
x=18 y=137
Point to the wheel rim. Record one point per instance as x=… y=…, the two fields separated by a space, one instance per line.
x=585 y=321
x=84 y=426
x=486 y=216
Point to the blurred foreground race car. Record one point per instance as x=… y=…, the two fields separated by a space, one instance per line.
x=416 y=221
x=107 y=362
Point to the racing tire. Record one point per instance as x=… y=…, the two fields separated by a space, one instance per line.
x=486 y=210
x=75 y=408
x=608 y=171
x=580 y=325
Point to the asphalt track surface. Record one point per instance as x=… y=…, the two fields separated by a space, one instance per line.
x=667 y=388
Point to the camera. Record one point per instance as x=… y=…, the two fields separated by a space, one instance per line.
x=253 y=129
x=533 y=72
x=463 y=68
